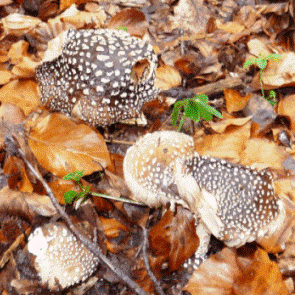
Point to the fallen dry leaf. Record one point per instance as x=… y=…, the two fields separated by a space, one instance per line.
x=167 y=77
x=133 y=19
x=62 y=146
x=5 y=77
x=286 y=107
x=23 y=93
x=228 y=273
x=234 y=100
x=221 y=125
x=18 y=179
x=174 y=238
x=263 y=153
x=18 y=24
x=27 y=205
x=229 y=145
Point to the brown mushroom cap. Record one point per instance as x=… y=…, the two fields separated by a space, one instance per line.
x=104 y=75
x=238 y=203
x=60 y=259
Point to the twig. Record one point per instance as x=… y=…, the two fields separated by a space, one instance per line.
x=212 y=88
x=93 y=247
x=147 y=265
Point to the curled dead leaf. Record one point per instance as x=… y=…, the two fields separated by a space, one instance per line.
x=22 y=93
x=18 y=24
x=133 y=19
x=167 y=77
x=27 y=205
x=228 y=273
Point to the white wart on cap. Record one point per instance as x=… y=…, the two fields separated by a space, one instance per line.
x=60 y=259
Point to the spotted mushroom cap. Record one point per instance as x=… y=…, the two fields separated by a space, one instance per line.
x=60 y=259
x=238 y=203
x=102 y=76
x=148 y=169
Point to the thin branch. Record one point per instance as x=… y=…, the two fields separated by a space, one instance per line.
x=93 y=247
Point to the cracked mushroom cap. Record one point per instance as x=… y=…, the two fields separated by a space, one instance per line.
x=238 y=203
x=60 y=259
x=149 y=170
x=101 y=76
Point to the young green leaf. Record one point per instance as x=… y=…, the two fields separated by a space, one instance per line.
x=69 y=196
x=74 y=176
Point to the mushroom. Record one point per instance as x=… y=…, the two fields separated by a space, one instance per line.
x=236 y=204
x=60 y=259
x=148 y=170
x=101 y=76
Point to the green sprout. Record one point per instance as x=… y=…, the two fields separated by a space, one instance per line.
x=261 y=62
x=72 y=196
x=122 y=28
x=193 y=108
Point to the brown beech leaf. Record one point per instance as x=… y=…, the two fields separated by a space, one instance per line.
x=286 y=107
x=228 y=145
x=227 y=273
x=18 y=178
x=18 y=24
x=234 y=101
x=167 y=77
x=174 y=238
x=27 y=205
x=62 y=146
x=23 y=93
x=222 y=125
x=114 y=229
x=11 y=113
x=5 y=77
x=82 y=19
x=131 y=18
x=263 y=153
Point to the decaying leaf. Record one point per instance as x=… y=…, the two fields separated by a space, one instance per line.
x=27 y=205
x=174 y=238
x=228 y=273
x=133 y=19
x=234 y=101
x=23 y=93
x=167 y=77
x=62 y=146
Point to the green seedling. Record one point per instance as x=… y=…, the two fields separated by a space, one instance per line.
x=122 y=28
x=72 y=196
x=261 y=62
x=194 y=108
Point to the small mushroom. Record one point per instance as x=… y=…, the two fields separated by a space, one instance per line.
x=101 y=76
x=60 y=259
x=235 y=203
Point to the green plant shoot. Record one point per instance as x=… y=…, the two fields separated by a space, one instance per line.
x=72 y=196
x=261 y=62
x=122 y=28
x=194 y=108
